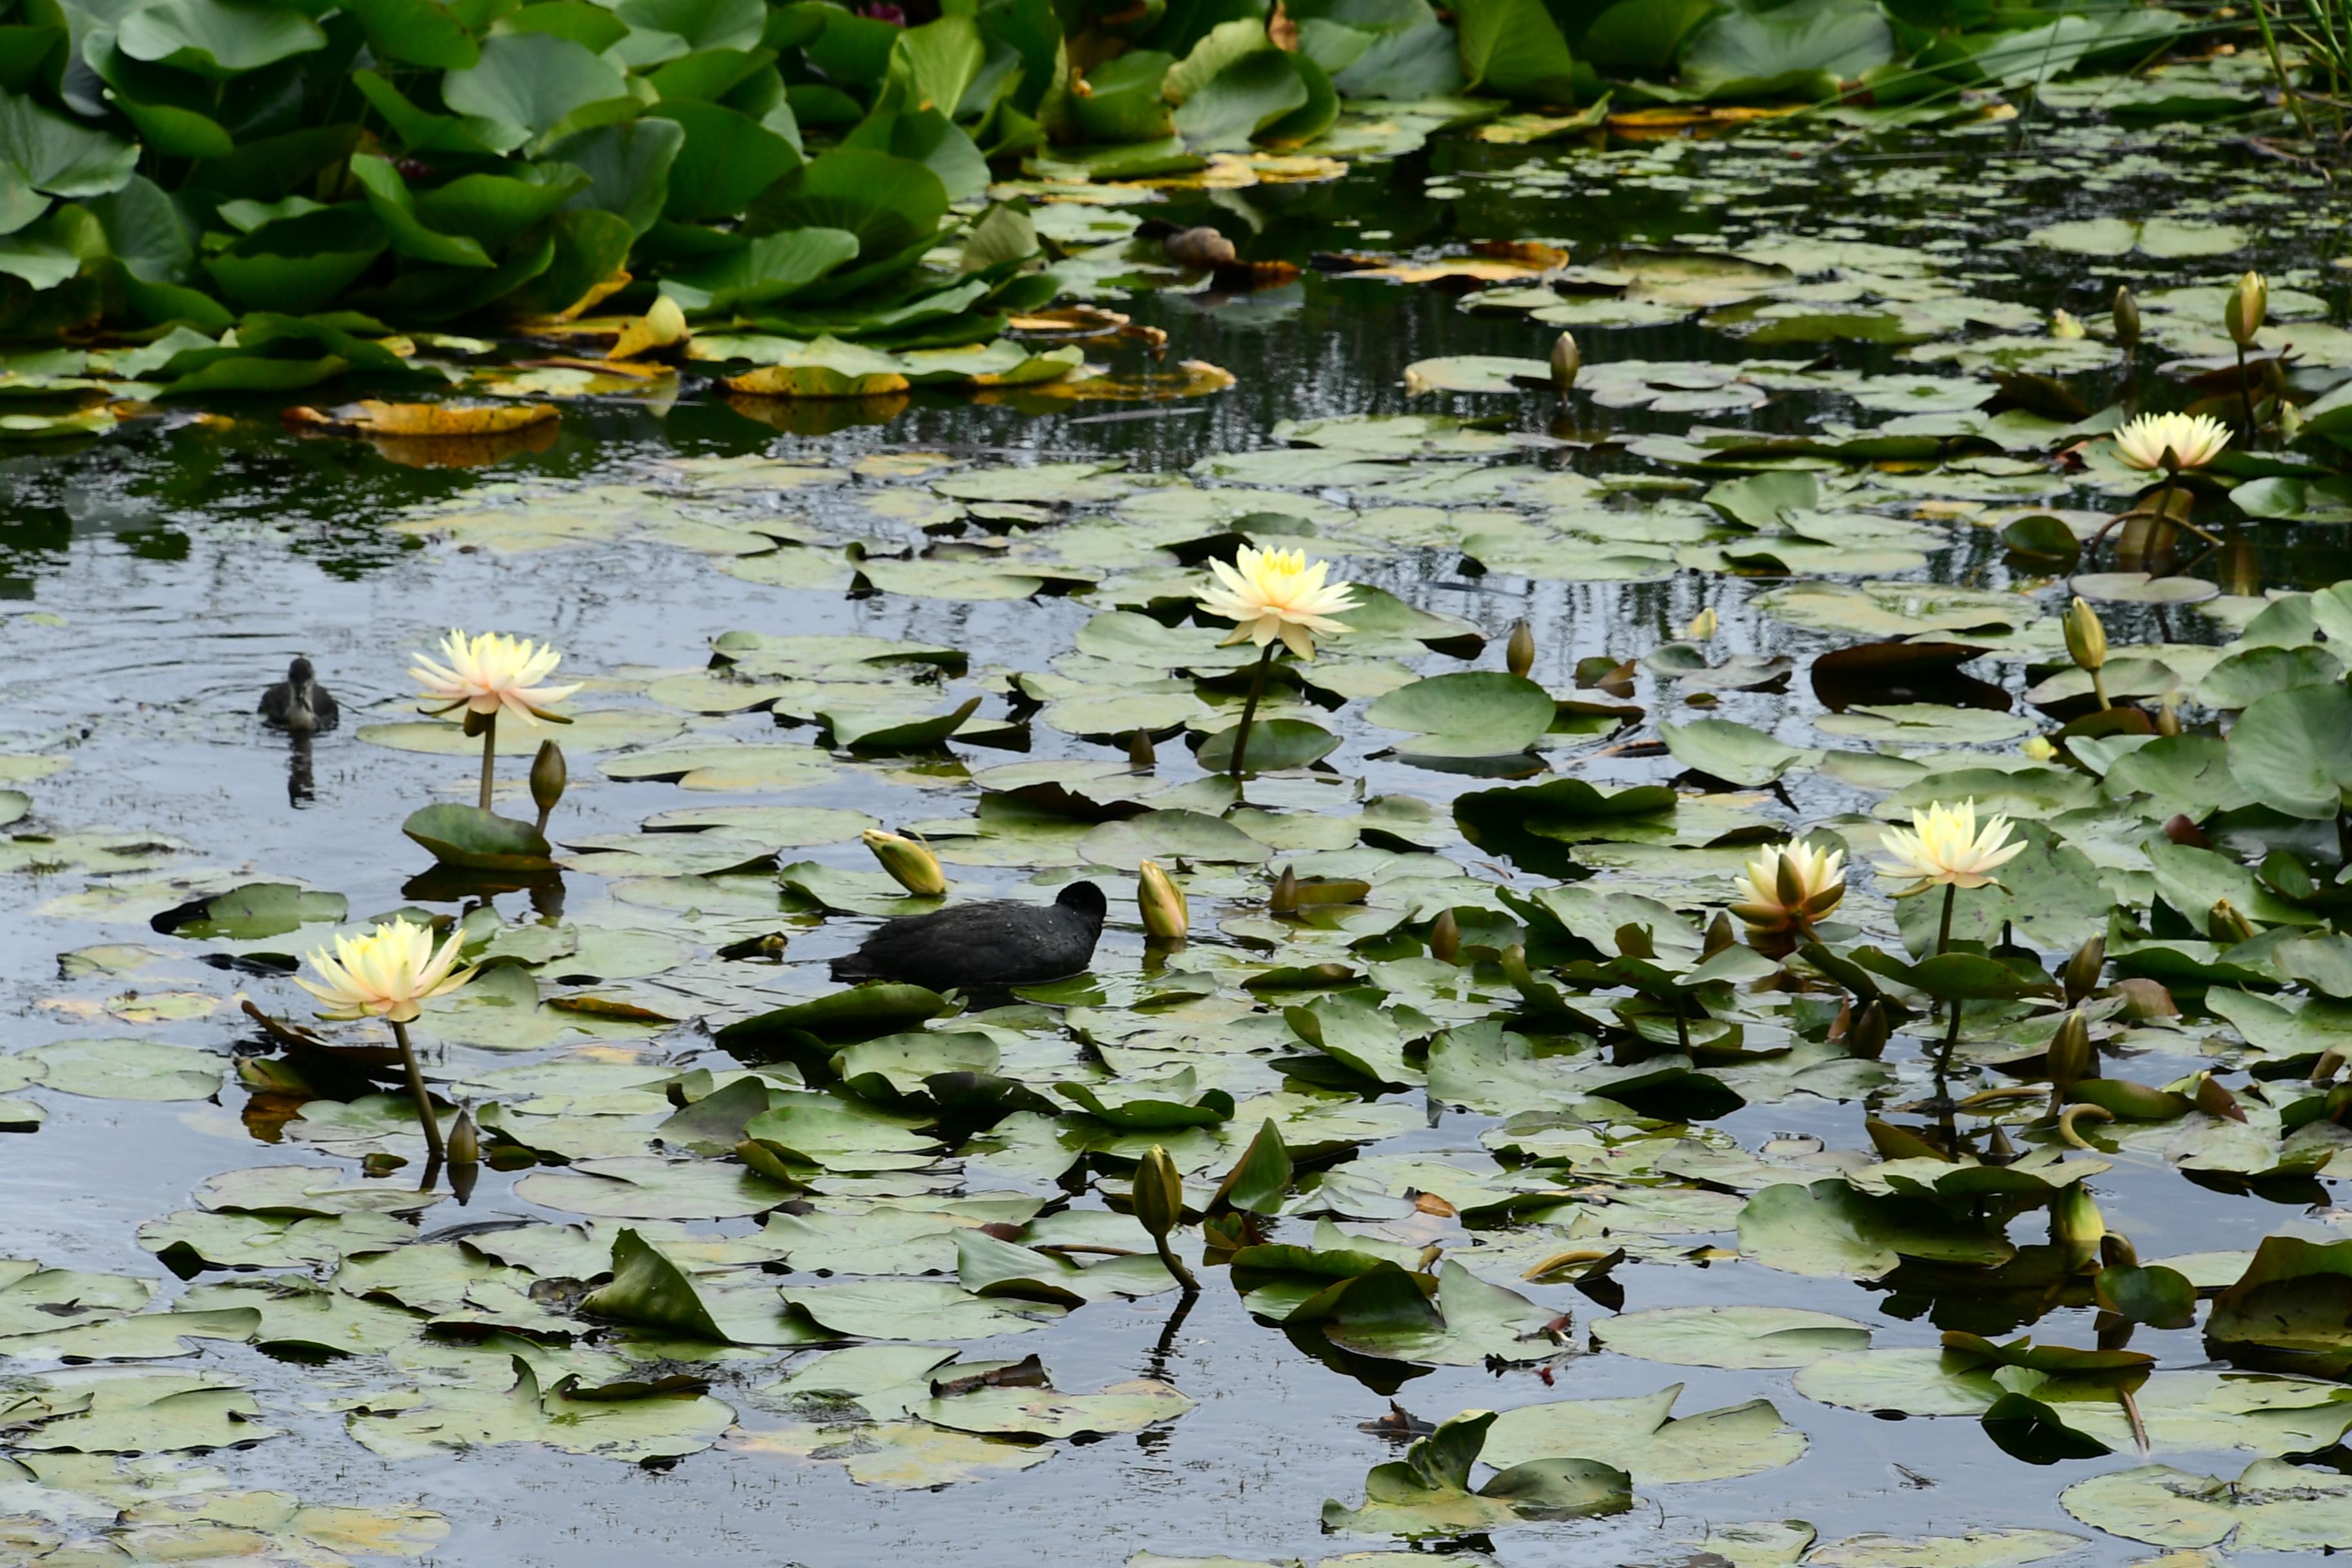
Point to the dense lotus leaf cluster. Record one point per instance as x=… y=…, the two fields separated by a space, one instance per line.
x=1460 y=1063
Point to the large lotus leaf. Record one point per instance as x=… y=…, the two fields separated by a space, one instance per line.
x=479 y=840
x=141 y=1411
x=899 y=1456
x=49 y=152
x=150 y=1336
x=702 y=23
x=727 y=158
x=2292 y=750
x=1475 y=1322
x=126 y=1069
x=1641 y=1437
x=1474 y=713
x=887 y=203
x=1729 y=751
x=765 y=271
x=1171 y=836
x=914 y=1310
x=639 y=1187
x=1427 y=1493
x=1802 y=49
x=2295 y=1295
x=1730 y=1336
x=304 y=1192
x=2272 y=1506
x=1829 y=1229
x=1976 y=1549
x=33 y=1298
x=191 y=1237
x=841 y=1018
x=1515 y=48
x=532 y=81
x=647 y=1424
x=217 y=39
x=842 y=1134
x=1248 y=95
x=254 y=911
x=597 y=730
x=1042 y=1413
x=1004 y=1270
x=415 y=32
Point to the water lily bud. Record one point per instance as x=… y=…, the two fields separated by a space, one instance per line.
x=1515 y=967
x=2039 y=748
x=1159 y=1193
x=912 y=864
x=2168 y=717
x=464 y=1142
x=2290 y=422
x=1139 y=754
x=2224 y=923
x=2181 y=828
x=2072 y=1056
x=1567 y=358
x=1702 y=626
x=1166 y=916
x=2249 y=303
x=1520 y=652
x=1999 y=1149
x=1445 y=937
x=2077 y=1226
x=1284 y=898
x=1866 y=1036
x=2086 y=636
x=1720 y=935
x=2127 y=319
x=2082 y=970
x=2065 y=326
x=2117 y=1251
x=548 y=777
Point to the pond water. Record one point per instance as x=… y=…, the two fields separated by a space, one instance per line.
x=160 y=578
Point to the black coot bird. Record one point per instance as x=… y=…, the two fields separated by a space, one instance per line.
x=1000 y=942
x=298 y=702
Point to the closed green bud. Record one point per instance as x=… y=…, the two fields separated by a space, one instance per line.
x=2126 y=318
x=1445 y=937
x=1139 y=754
x=2086 y=636
x=2223 y=924
x=911 y=865
x=464 y=1142
x=1283 y=900
x=2077 y=1226
x=2249 y=305
x=1520 y=652
x=548 y=777
x=2168 y=717
x=1166 y=916
x=1867 y=1032
x=2073 y=1058
x=2083 y=968
x=1567 y=358
x=1720 y=935
x=1159 y=1193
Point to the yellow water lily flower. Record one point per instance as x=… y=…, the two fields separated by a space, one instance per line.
x=2194 y=440
x=490 y=672
x=1270 y=593
x=1943 y=847
x=386 y=973
x=1788 y=887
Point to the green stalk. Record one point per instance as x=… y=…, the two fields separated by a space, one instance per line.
x=2099 y=691
x=1249 y=710
x=2246 y=396
x=1943 y=942
x=489 y=755
x=424 y=1116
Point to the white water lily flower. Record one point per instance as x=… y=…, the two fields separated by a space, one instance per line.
x=386 y=973
x=489 y=672
x=1270 y=593
x=1788 y=887
x=1942 y=847
x=2194 y=440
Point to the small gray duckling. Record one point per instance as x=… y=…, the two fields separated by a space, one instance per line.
x=298 y=702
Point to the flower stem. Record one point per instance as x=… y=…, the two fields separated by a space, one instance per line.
x=489 y=755
x=2246 y=396
x=1175 y=1266
x=424 y=1116
x=1943 y=942
x=1249 y=710
x=2099 y=690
